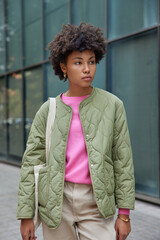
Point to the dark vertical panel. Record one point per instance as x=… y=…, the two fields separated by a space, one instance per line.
x=159 y=86
x=7 y=116
x=2 y=118
x=106 y=30
x=23 y=77
x=5 y=54
x=6 y=81
x=43 y=53
x=32 y=32
x=13 y=34
x=15 y=116
x=56 y=14
x=2 y=40
x=69 y=11
x=109 y=68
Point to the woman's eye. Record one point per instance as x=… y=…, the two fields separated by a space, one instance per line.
x=92 y=62
x=78 y=63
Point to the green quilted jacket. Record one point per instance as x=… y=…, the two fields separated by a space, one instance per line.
x=107 y=140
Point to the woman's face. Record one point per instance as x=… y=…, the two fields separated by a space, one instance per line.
x=80 y=68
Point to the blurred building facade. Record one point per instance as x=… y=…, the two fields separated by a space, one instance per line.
x=130 y=70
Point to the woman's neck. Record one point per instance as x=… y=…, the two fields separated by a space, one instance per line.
x=78 y=92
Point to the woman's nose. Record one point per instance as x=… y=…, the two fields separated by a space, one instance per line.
x=86 y=68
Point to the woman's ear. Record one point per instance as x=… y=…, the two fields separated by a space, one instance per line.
x=63 y=67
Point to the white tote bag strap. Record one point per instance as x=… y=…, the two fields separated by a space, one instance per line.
x=50 y=121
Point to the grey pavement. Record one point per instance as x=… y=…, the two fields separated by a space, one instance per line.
x=145 y=218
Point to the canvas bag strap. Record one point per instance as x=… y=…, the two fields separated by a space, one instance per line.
x=50 y=122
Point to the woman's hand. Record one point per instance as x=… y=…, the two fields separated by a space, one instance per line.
x=27 y=229
x=122 y=228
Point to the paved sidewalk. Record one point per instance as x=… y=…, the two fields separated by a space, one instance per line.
x=145 y=219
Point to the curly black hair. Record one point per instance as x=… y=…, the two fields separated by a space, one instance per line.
x=72 y=38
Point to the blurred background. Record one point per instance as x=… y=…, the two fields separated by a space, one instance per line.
x=130 y=70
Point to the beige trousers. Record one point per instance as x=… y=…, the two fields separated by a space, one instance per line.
x=80 y=217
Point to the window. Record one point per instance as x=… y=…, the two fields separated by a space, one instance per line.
x=2 y=117
x=127 y=16
x=34 y=95
x=32 y=32
x=13 y=34
x=15 y=121
x=133 y=71
x=2 y=50
x=56 y=14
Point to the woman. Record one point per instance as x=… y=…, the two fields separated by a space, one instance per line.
x=90 y=168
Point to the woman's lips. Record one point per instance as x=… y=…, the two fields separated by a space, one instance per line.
x=87 y=78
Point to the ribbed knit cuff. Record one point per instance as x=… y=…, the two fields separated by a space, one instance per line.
x=123 y=211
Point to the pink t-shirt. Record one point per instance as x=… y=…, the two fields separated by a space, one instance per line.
x=77 y=165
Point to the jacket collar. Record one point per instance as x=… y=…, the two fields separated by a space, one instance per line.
x=84 y=101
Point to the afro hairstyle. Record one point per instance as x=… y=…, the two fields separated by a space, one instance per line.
x=75 y=38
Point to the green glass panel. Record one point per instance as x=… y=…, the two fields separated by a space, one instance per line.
x=34 y=95
x=55 y=86
x=2 y=116
x=90 y=11
x=56 y=14
x=133 y=76
x=52 y=6
x=100 y=76
x=15 y=115
x=2 y=68
x=13 y=34
x=32 y=32
x=93 y=12
x=128 y=16
x=32 y=11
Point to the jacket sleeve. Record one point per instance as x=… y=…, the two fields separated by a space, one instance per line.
x=33 y=155
x=123 y=161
